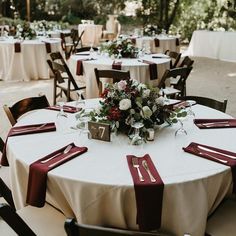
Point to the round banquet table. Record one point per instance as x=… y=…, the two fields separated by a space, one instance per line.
x=165 y=43
x=97 y=187
x=138 y=70
x=30 y=63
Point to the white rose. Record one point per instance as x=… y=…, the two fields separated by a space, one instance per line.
x=125 y=104
x=146 y=112
x=121 y=85
x=160 y=100
x=141 y=86
x=146 y=93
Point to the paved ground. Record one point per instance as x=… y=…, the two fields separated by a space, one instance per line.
x=211 y=78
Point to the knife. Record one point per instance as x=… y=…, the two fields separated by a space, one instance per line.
x=145 y=165
x=216 y=152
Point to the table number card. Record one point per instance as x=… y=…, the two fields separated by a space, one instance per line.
x=100 y=131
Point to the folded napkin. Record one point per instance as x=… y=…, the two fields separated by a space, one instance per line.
x=17 y=47
x=148 y=195
x=26 y=129
x=66 y=108
x=215 y=123
x=211 y=154
x=157 y=42
x=152 y=69
x=116 y=65
x=37 y=182
x=48 y=47
x=177 y=42
x=79 y=68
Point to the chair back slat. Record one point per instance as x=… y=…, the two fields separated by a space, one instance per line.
x=175 y=58
x=23 y=106
x=187 y=61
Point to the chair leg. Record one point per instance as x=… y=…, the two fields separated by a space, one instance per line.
x=6 y=194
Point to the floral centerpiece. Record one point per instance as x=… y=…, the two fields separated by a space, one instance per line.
x=123 y=47
x=25 y=31
x=151 y=30
x=129 y=101
x=42 y=25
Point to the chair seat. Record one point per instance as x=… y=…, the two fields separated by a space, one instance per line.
x=170 y=91
x=44 y=221
x=223 y=220
x=5 y=175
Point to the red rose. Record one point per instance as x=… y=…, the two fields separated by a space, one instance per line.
x=114 y=114
x=105 y=92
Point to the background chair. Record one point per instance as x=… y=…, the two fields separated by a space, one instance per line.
x=5 y=191
x=74 y=229
x=177 y=78
x=115 y=75
x=187 y=61
x=175 y=57
x=64 y=82
x=67 y=44
x=23 y=106
x=33 y=221
x=209 y=102
x=85 y=49
x=222 y=221
x=76 y=39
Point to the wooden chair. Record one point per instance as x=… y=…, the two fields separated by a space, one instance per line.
x=64 y=82
x=76 y=39
x=75 y=229
x=33 y=221
x=178 y=77
x=115 y=75
x=23 y=106
x=1 y=144
x=187 y=61
x=209 y=102
x=5 y=191
x=222 y=221
x=175 y=57
x=67 y=44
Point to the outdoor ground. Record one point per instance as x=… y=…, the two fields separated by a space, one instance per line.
x=211 y=78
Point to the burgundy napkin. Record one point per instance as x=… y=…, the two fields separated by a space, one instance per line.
x=152 y=69
x=66 y=108
x=215 y=123
x=26 y=129
x=192 y=148
x=157 y=42
x=148 y=195
x=79 y=68
x=17 y=47
x=48 y=47
x=177 y=42
x=37 y=182
x=116 y=65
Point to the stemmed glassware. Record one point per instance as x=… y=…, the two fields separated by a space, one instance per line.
x=80 y=102
x=181 y=129
x=62 y=120
x=136 y=138
x=190 y=111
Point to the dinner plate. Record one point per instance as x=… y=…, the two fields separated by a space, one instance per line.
x=191 y=102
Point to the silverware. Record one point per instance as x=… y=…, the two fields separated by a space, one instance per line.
x=66 y=150
x=63 y=159
x=145 y=165
x=136 y=165
x=214 y=124
x=213 y=151
x=218 y=159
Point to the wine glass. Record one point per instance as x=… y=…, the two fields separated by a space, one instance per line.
x=136 y=138
x=190 y=111
x=119 y=53
x=84 y=118
x=181 y=129
x=80 y=102
x=62 y=118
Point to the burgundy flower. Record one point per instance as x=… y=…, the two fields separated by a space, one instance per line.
x=105 y=92
x=114 y=114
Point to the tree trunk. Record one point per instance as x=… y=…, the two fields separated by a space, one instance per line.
x=172 y=16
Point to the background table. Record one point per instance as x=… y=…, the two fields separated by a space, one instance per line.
x=30 y=63
x=213 y=44
x=166 y=43
x=92 y=34
x=97 y=187
x=138 y=70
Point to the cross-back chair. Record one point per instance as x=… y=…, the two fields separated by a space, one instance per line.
x=75 y=229
x=115 y=75
x=178 y=77
x=64 y=82
x=187 y=61
x=67 y=44
x=23 y=106
x=209 y=102
x=76 y=39
x=175 y=58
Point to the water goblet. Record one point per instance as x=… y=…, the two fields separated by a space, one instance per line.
x=62 y=118
x=136 y=138
x=181 y=129
x=80 y=102
x=190 y=111
x=119 y=53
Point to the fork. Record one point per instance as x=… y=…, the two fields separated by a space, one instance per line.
x=145 y=165
x=66 y=150
x=136 y=165
x=30 y=128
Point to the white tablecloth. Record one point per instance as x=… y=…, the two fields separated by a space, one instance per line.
x=138 y=70
x=97 y=187
x=30 y=63
x=212 y=44
x=92 y=34
x=166 y=43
